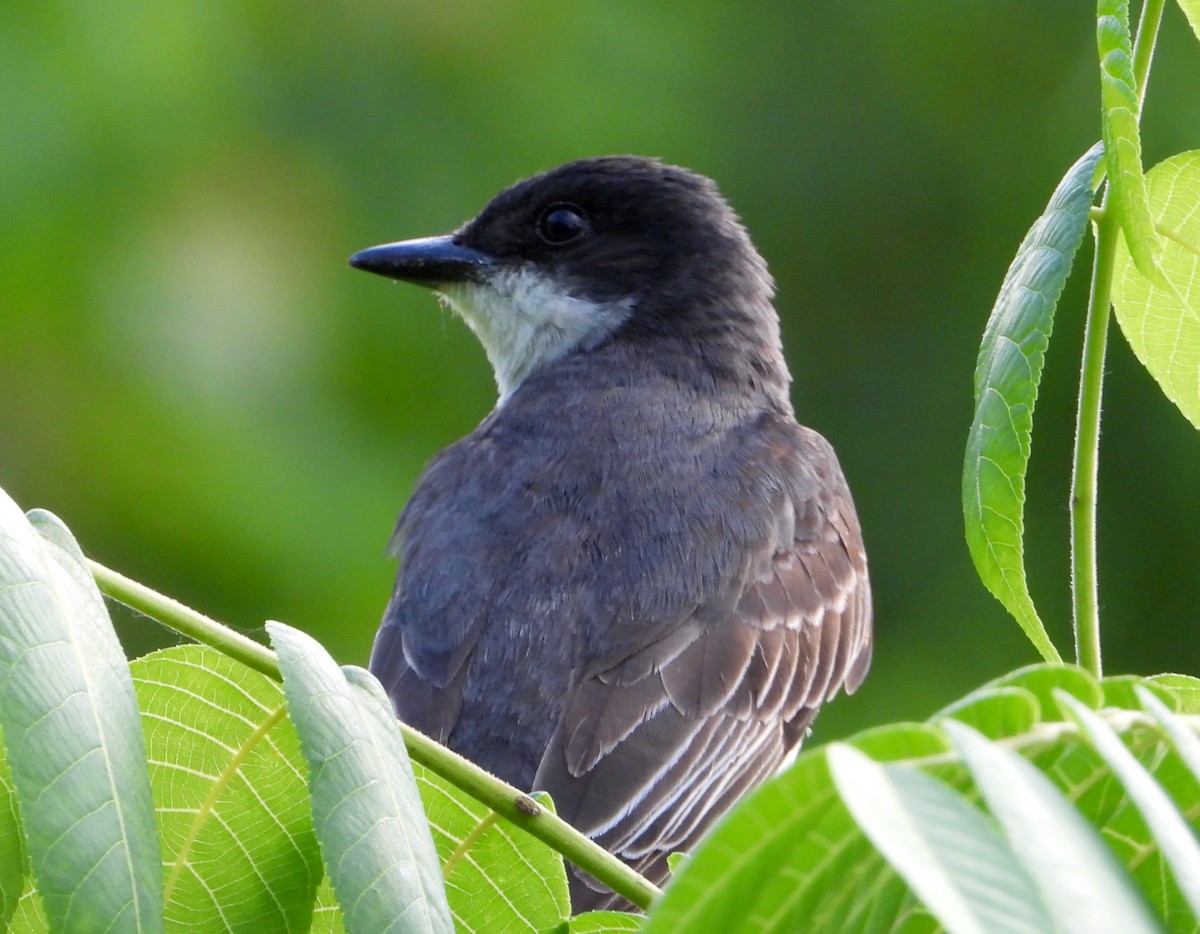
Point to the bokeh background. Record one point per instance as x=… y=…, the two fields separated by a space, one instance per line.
x=192 y=377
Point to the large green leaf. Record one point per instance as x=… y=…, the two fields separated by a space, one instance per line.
x=230 y=786
x=366 y=808
x=1122 y=138
x=73 y=736
x=1161 y=318
x=498 y=878
x=1007 y=375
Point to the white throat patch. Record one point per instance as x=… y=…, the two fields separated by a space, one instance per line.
x=526 y=321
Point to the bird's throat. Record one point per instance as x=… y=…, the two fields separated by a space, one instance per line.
x=527 y=321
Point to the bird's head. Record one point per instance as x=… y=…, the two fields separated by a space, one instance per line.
x=595 y=250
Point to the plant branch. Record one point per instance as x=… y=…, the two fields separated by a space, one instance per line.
x=521 y=809
x=184 y=620
x=509 y=802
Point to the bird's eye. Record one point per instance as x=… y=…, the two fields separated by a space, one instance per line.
x=562 y=223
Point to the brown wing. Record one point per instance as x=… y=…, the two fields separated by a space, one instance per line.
x=652 y=750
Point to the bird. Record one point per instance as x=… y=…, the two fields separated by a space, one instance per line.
x=635 y=583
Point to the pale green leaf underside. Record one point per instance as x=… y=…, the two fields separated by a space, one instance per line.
x=1168 y=825
x=1007 y=375
x=230 y=787
x=72 y=735
x=1085 y=889
x=366 y=808
x=1161 y=319
x=1122 y=137
x=952 y=858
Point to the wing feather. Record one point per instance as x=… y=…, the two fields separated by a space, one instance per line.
x=701 y=679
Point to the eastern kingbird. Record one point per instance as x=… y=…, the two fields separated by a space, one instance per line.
x=636 y=582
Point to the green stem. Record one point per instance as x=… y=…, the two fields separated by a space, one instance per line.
x=185 y=620
x=1091 y=383
x=509 y=802
x=1087 y=450
x=1143 y=47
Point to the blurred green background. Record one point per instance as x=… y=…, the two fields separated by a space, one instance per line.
x=193 y=379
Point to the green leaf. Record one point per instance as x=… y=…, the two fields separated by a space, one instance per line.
x=1185 y=789
x=30 y=916
x=897 y=741
x=1121 y=691
x=946 y=850
x=13 y=862
x=1043 y=680
x=1184 y=688
x=1084 y=887
x=73 y=736
x=498 y=878
x=1085 y=778
x=1191 y=9
x=1063 y=754
x=604 y=922
x=366 y=807
x=1184 y=740
x=1122 y=138
x=1171 y=832
x=327 y=916
x=229 y=782
x=1007 y=375
x=1161 y=318
x=995 y=712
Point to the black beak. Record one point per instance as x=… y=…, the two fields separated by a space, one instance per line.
x=430 y=261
